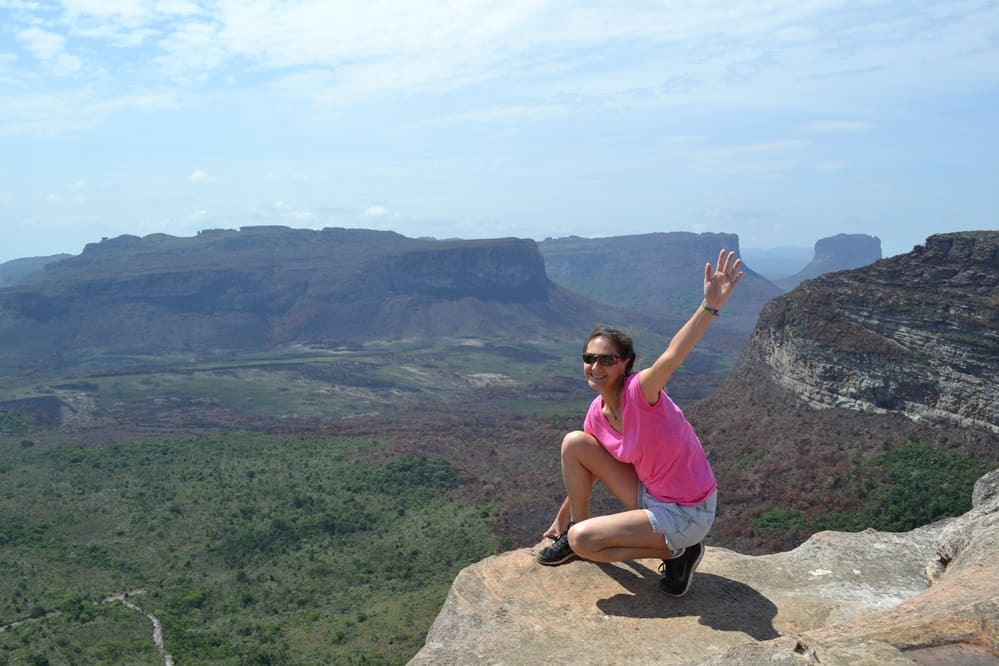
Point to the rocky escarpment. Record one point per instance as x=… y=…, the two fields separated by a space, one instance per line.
x=916 y=335
x=659 y=273
x=505 y=272
x=870 y=598
x=836 y=253
x=261 y=287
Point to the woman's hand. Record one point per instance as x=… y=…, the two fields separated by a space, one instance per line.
x=555 y=531
x=719 y=284
x=561 y=522
x=557 y=528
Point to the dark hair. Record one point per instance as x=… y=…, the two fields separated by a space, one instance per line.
x=622 y=342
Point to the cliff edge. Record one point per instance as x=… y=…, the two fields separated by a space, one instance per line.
x=916 y=334
x=926 y=596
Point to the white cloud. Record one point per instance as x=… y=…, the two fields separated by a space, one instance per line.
x=78 y=185
x=66 y=64
x=42 y=44
x=375 y=211
x=200 y=177
x=830 y=126
x=176 y=7
x=685 y=138
x=130 y=12
x=540 y=57
x=71 y=110
x=122 y=37
x=509 y=114
x=767 y=157
x=198 y=215
x=754 y=148
x=830 y=165
x=49 y=47
x=796 y=34
x=387 y=170
x=192 y=47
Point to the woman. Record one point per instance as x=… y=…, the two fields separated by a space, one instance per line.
x=637 y=441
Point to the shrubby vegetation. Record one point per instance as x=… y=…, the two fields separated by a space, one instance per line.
x=913 y=484
x=15 y=423
x=249 y=549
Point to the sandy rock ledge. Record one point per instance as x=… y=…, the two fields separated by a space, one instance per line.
x=930 y=596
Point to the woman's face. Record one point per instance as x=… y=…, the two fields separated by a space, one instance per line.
x=600 y=376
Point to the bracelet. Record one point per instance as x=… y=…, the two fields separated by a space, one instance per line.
x=714 y=312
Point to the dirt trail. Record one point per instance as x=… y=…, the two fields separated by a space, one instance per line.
x=123 y=598
x=157 y=626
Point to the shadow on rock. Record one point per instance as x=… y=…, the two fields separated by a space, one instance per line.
x=720 y=603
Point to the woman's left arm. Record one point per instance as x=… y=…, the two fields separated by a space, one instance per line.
x=718 y=286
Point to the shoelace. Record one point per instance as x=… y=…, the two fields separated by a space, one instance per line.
x=662 y=565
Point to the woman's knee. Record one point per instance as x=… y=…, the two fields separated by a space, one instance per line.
x=577 y=441
x=584 y=539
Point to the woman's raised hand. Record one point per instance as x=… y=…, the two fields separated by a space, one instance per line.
x=718 y=284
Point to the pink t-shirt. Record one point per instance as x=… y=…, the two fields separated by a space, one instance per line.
x=658 y=441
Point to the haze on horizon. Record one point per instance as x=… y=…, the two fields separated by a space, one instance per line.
x=780 y=122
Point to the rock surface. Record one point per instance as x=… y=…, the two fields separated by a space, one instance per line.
x=836 y=253
x=916 y=334
x=926 y=596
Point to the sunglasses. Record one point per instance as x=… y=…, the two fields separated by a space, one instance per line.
x=605 y=360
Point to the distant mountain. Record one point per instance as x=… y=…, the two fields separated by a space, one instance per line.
x=836 y=253
x=851 y=362
x=18 y=271
x=776 y=263
x=264 y=287
x=660 y=273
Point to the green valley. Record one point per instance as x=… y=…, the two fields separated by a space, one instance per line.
x=248 y=548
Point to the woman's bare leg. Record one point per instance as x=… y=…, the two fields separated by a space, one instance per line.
x=617 y=538
x=585 y=461
x=614 y=538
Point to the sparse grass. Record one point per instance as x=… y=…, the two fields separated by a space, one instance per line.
x=250 y=390
x=313 y=383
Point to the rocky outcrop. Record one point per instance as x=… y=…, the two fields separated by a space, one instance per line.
x=836 y=253
x=659 y=273
x=840 y=598
x=916 y=334
x=511 y=271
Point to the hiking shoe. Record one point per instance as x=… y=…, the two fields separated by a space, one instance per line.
x=679 y=571
x=559 y=552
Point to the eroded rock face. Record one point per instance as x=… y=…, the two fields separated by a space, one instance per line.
x=263 y=287
x=659 y=273
x=837 y=253
x=915 y=334
x=858 y=598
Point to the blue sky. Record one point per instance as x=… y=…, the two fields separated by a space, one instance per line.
x=783 y=122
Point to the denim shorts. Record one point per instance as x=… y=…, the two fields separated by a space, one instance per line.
x=681 y=525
